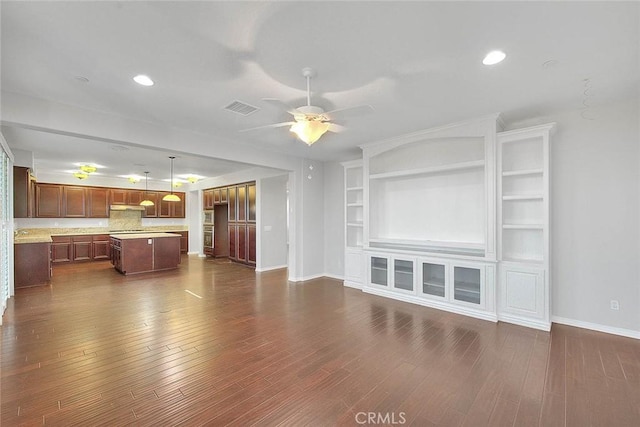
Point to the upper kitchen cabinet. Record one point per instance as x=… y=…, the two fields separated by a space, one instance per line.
x=151 y=211
x=251 y=201
x=123 y=196
x=208 y=199
x=119 y=196
x=134 y=197
x=23 y=192
x=48 y=201
x=98 y=202
x=171 y=209
x=74 y=202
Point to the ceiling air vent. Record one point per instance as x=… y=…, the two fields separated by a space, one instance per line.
x=241 y=108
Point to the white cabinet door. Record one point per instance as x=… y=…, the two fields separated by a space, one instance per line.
x=523 y=295
x=403 y=275
x=468 y=284
x=433 y=279
x=353 y=268
x=379 y=270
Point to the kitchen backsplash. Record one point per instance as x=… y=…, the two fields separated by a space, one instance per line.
x=125 y=220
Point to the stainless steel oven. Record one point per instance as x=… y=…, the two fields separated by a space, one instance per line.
x=207 y=241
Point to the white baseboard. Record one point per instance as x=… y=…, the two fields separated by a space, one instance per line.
x=478 y=314
x=529 y=323
x=354 y=285
x=630 y=333
x=333 y=276
x=273 y=267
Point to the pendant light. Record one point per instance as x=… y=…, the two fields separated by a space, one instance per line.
x=171 y=197
x=146 y=201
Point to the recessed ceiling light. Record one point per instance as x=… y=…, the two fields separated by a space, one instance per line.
x=143 y=80
x=494 y=57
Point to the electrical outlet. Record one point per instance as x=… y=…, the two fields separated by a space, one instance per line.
x=615 y=305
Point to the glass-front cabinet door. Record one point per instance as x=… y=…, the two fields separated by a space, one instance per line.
x=403 y=275
x=434 y=279
x=379 y=271
x=467 y=284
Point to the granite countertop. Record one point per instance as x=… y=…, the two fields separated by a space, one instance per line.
x=43 y=235
x=143 y=235
x=31 y=239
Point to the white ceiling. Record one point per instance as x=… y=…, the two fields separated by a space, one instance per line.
x=418 y=64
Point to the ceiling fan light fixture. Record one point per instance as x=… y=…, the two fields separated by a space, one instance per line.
x=134 y=179
x=309 y=131
x=80 y=175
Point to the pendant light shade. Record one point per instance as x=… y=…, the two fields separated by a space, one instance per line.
x=171 y=197
x=146 y=201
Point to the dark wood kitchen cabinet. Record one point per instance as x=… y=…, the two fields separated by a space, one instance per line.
x=151 y=211
x=238 y=204
x=32 y=264
x=208 y=199
x=82 y=246
x=98 y=203
x=142 y=253
x=171 y=209
x=242 y=203
x=48 y=201
x=119 y=196
x=251 y=202
x=74 y=202
x=61 y=249
x=24 y=186
x=100 y=248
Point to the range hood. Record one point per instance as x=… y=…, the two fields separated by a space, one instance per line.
x=127 y=208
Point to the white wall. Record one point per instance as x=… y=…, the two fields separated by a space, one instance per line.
x=334 y=219
x=273 y=230
x=595 y=217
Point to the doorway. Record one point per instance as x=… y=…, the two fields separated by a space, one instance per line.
x=221 y=231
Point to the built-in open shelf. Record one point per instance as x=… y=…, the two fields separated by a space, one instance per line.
x=426 y=246
x=523 y=197
x=355 y=224
x=354 y=205
x=523 y=172
x=523 y=226
x=475 y=164
x=355 y=188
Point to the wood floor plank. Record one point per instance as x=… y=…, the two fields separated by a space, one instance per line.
x=98 y=348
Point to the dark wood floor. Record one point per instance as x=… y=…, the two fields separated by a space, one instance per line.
x=98 y=348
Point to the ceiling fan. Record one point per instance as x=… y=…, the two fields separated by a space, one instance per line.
x=312 y=122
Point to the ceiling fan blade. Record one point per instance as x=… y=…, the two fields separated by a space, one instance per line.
x=282 y=105
x=349 y=111
x=275 y=125
x=333 y=127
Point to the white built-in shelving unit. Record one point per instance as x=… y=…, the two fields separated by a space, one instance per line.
x=523 y=235
x=455 y=218
x=354 y=223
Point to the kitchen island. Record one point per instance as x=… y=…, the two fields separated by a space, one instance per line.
x=143 y=252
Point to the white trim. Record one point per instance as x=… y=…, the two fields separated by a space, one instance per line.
x=354 y=285
x=523 y=321
x=334 y=276
x=196 y=253
x=305 y=278
x=452 y=308
x=275 y=267
x=630 y=333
